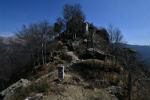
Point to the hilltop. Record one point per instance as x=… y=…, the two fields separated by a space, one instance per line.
x=86 y=77
x=96 y=64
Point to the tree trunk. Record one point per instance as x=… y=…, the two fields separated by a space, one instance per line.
x=43 y=54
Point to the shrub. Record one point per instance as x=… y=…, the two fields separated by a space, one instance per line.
x=40 y=87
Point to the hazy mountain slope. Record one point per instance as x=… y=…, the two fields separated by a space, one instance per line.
x=144 y=52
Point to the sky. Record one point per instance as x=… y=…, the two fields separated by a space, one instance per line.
x=132 y=17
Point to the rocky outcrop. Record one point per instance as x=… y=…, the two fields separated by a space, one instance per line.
x=74 y=57
x=72 y=45
x=13 y=88
x=114 y=90
x=93 y=53
x=37 y=96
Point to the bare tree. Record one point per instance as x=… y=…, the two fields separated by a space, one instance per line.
x=59 y=25
x=20 y=55
x=74 y=19
x=116 y=41
x=36 y=38
x=71 y=11
x=115 y=37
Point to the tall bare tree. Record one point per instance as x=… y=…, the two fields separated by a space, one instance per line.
x=36 y=38
x=71 y=11
x=116 y=40
x=59 y=25
x=74 y=19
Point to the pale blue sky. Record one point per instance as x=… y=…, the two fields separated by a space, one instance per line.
x=132 y=17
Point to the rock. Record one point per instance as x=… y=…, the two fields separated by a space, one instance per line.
x=60 y=42
x=37 y=67
x=75 y=44
x=85 y=40
x=13 y=88
x=72 y=45
x=69 y=45
x=65 y=48
x=76 y=79
x=114 y=90
x=74 y=57
x=95 y=53
x=104 y=34
x=37 y=96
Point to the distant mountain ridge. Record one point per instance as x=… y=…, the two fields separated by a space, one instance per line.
x=144 y=52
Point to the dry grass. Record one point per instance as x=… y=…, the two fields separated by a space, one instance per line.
x=99 y=64
x=74 y=92
x=47 y=68
x=94 y=70
x=46 y=87
x=40 y=87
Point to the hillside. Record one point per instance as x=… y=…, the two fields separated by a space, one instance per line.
x=71 y=59
x=84 y=79
x=144 y=52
